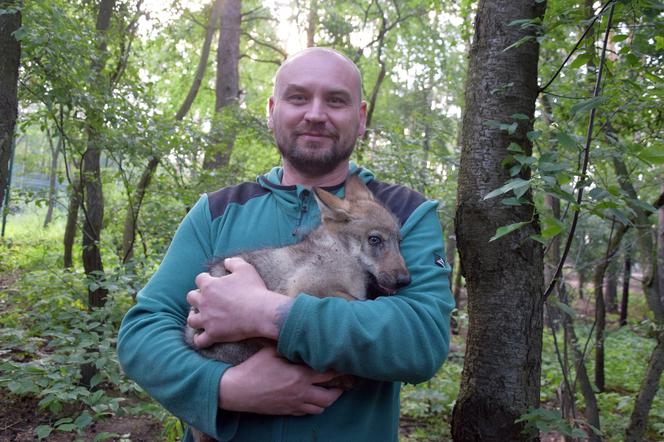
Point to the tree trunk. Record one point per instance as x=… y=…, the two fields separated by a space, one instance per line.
x=72 y=218
x=10 y=49
x=129 y=232
x=91 y=170
x=227 y=88
x=627 y=275
x=312 y=23
x=504 y=278
x=611 y=294
x=53 y=174
x=600 y=321
x=649 y=386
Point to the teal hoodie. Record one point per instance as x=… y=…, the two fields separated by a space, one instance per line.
x=389 y=340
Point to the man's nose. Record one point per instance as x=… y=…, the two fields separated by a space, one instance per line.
x=316 y=111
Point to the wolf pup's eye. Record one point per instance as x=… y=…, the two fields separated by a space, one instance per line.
x=375 y=240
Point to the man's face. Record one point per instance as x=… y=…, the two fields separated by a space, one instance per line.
x=316 y=112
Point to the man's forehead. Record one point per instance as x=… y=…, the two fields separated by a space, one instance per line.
x=310 y=65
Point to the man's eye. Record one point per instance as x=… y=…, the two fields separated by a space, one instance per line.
x=297 y=98
x=375 y=240
x=336 y=101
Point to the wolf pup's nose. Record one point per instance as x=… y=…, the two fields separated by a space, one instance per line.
x=403 y=280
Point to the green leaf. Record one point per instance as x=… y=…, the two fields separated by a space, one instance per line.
x=83 y=420
x=514 y=148
x=519 y=116
x=566 y=140
x=586 y=105
x=502 y=231
x=510 y=185
x=563 y=307
x=652 y=156
x=519 y=42
x=43 y=431
x=619 y=38
x=581 y=60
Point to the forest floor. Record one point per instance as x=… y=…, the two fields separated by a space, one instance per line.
x=21 y=416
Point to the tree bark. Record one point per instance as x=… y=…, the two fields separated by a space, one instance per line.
x=129 y=232
x=504 y=278
x=72 y=218
x=611 y=284
x=312 y=23
x=649 y=386
x=627 y=275
x=10 y=48
x=91 y=168
x=227 y=89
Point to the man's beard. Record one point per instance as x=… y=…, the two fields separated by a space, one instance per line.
x=313 y=158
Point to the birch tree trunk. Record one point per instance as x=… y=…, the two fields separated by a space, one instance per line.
x=504 y=278
x=10 y=49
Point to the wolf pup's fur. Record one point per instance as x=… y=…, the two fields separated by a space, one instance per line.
x=355 y=249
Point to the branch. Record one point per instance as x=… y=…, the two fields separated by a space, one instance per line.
x=259 y=60
x=215 y=14
x=586 y=157
x=578 y=43
x=275 y=48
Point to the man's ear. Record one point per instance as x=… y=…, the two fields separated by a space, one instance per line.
x=270 y=113
x=356 y=189
x=331 y=207
x=363 y=119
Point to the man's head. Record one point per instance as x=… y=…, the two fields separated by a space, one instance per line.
x=316 y=110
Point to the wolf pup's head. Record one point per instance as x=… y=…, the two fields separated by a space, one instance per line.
x=369 y=231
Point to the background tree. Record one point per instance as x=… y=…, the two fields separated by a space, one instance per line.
x=504 y=278
x=10 y=49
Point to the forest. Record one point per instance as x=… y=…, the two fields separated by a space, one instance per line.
x=537 y=126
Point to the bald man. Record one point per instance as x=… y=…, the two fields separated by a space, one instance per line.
x=316 y=114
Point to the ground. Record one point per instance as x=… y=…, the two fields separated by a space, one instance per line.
x=20 y=417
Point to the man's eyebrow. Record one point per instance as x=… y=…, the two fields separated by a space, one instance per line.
x=340 y=92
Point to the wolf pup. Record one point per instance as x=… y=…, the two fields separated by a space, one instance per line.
x=355 y=250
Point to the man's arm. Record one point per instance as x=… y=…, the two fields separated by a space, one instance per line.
x=404 y=337
x=152 y=350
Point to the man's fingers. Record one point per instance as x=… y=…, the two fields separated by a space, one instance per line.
x=194 y=320
x=203 y=340
x=202 y=279
x=311 y=409
x=323 y=397
x=194 y=298
x=321 y=378
x=234 y=264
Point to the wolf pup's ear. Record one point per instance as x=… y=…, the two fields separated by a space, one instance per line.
x=331 y=207
x=356 y=189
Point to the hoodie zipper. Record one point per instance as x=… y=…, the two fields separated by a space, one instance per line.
x=304 y=208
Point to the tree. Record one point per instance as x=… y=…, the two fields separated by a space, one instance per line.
x=91 y=171
x=504 y=278
x=227 y=88
x=10 y=52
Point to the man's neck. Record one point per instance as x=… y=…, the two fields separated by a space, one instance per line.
x=293 y=176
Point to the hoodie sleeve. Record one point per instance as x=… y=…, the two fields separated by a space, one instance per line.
x=151 y=348
x=404 y=337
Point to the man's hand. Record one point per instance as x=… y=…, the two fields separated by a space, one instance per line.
x=236 y=306
x=268 y=384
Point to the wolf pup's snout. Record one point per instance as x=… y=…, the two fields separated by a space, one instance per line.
x=403 y=280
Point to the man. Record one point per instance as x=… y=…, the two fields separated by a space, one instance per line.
x=316 y=113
